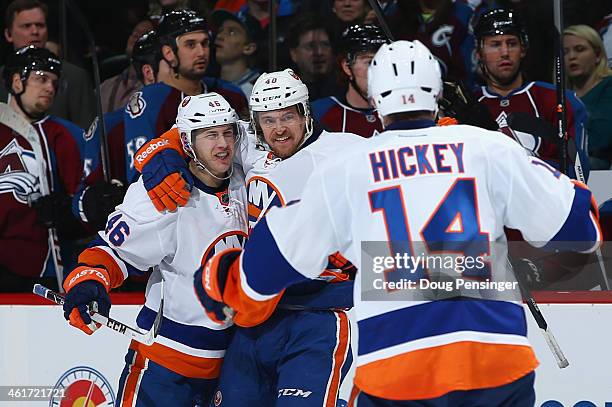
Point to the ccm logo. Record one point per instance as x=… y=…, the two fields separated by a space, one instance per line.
x=294 y=393
x=152 y=147
x=87 y=272
x=270 y=98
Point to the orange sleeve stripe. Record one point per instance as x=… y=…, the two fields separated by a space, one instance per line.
x=171 y=139
x=96 y=257
x=181 y=363
x=594 y=206
x=433 y=372
x=249 y=312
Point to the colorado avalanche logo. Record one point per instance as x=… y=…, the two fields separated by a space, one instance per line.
x=235 y=238
x=262 y=195
x=442 y=36
x=17 y=172
x=136 y=105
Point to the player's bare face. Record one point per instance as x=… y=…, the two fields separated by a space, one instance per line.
x=360 y=70
x=39 y=92
x=501 y=55
x=283 y=130
x=230 y=42
x=350 y=10
x=581 y=59
x=214 y=147
x=29 y=28
x=194 y=54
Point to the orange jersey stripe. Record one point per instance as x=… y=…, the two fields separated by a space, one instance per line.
x=343 y=338
x=130 y=388
x=433 y=372
x=181 y=363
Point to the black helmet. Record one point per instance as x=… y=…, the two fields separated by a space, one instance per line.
x=498 y=22
x=361 y=38
x=179 y=22
x=27 y=59
x=146 y=51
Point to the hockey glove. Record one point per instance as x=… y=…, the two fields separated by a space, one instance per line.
x=167 y=179
x=52 y=210
x=86 y=285
x=100 y=200
x=209 y=284
x=458 y=102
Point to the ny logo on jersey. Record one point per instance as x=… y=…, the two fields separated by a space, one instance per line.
x=233 y=239
x=17 y=171
x=262 y=195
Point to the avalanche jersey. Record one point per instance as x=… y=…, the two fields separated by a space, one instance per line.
x=335 y=115
x=61 y=143
x=442 y=184
x=152 y=110
x=540 y=99
x=175 y=245
x=450 y=40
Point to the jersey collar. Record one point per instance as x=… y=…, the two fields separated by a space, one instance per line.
x=210 y=190
x=410 y=125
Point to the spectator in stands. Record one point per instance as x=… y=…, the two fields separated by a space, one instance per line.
x=116 y=91
x=589 y=76
x=443 y=26
x=311 y=50
x=236 y=45
x=350 y=12
x=26 y=24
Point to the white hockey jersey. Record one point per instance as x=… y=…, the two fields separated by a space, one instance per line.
x=457 y=184
x=176 y=244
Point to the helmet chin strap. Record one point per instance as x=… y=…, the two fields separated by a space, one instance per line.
x=202 y=167
x=353 y=83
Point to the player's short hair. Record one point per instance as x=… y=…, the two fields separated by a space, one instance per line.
x=17 y=6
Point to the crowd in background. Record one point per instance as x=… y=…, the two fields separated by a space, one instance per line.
x=308 y=40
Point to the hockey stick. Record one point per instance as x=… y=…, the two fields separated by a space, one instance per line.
x=380 y=16
x=552 y=343
x=146 y=338
x=21 y=126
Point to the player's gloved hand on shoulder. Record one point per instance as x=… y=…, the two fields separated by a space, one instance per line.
x=167 y=179
x=209 y=284
x=84 y=286
x=52 y=210
x=100 y=200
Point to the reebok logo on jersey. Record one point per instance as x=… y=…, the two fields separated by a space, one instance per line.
x=294 y=393
x=142 y=156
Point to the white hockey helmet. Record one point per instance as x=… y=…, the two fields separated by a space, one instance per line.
x=201 y=112
x=404 y=77
x=278 y=90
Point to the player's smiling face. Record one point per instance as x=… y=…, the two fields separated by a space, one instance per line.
x=214 y=147
x=283 y=130
x=501 y=55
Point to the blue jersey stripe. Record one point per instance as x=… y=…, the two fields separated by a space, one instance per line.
x=438 y=318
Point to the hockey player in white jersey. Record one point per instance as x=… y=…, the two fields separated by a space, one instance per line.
x=301 y=353
x=455 y=185
x=182 y=366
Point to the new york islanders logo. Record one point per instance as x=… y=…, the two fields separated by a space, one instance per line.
x=233 y=239
x=18 y=171
x=262 y=195
x=136 y=105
